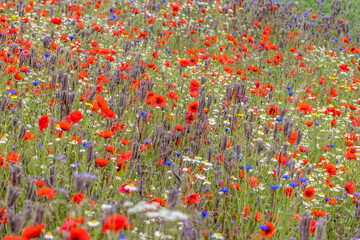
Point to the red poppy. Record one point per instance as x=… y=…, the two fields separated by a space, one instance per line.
x=193 y=107
x=333 y=93
x=190 y=199
x=292 y=140
x=77 y=198
x=309 y=123
x=101 y=162
x=309 y=193
x=32 y=232
x=120 y=164
x=47 y=192
x=302 y=149
x=3 y=164
x=350 y=154
x=172 y=95
x=344 y=68
x=13 y=158
x=272 y=111
x=65 y=126
x=106 y=134
x=69 y=225
x=115 y=224
x=43 y=123
x=253 y=182
x=159 y=201
x=179 y=127
x=289 y=192
x=56 y=21
x=155 y=55
x=350 y=188
x=28 y=137
x=79 y=234
x=158 y=101
x=189 y=118
x=318 y=213
x=40 y=183
x=75 y=117
x=331 y=170
x=107 y=113
x=305 y=108
x=3 y=217
x=312 y=226
x=259 y=217
x=110 y=149
x=194 y=86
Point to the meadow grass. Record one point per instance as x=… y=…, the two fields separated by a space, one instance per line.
x=186 y=121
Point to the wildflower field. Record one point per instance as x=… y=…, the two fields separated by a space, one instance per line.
x=199 y=119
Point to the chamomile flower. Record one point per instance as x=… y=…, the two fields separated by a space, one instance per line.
x=200 y=176
x=93 y=223
x=89 y=213
x=48 y=235
x=217 y=236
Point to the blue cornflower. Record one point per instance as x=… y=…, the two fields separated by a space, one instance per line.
x=204 y=214
x=274 y=187
x=247 y=167
x=263 y=227
x=143 y=114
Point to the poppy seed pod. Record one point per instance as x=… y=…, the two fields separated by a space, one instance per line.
x=15 y=122
x=31 y=193
x=260 y=146
x=15 y=222
x=135 y=152
x=13 y=194
x=83 y=180
x=173 y=198
x=271 y=153
x=298 y=138
x=320 y=229
x=223 y=143
x=305 y=226
x=22 y=132
x=39 y=215
x=90 y=153
x=177 y=174
x=52 y=178
x=16 y=175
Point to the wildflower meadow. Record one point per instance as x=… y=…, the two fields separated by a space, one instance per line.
x=198 y=119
